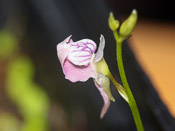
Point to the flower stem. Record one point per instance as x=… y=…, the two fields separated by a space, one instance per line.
x=120 y=89
x=131 y=101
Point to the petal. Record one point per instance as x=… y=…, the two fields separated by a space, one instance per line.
x=80 y=52
x=62 y=50
x=105 y=83
x=99 y=54
x=76 y=73
x=102 y=85
x=105 y=99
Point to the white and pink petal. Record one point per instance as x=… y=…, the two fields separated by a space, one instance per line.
x=62 y=49
x=103 y=85
x=100 y=51
x=80 y=52
x=76 y=73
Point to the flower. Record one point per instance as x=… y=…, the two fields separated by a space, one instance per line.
x=80 y=62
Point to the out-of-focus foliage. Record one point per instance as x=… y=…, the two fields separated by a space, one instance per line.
x=29 y=98
x=8 y=43
x=8 y=122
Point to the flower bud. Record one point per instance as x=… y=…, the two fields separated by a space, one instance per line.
x=128 y=25
x=113 y=23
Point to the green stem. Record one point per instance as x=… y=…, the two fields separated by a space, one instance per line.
x=131 y=102
x=120 y=89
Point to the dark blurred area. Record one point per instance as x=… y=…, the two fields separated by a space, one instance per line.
x=151 y=9
x=34 y=95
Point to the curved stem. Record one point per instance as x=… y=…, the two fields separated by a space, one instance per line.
x=120 y=89
x=131 y=102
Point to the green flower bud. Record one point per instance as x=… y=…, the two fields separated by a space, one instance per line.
x=128 y=25
x=113 y=23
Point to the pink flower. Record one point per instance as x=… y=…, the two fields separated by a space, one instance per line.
x=80 y=62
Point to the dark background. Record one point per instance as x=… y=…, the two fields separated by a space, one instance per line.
x=47 y=22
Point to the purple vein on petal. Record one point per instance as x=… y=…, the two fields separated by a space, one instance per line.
x=81 y=52
x=85 y=60
x=84 y=56
x=84 y=46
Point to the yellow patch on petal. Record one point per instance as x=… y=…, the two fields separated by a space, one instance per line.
x=102 y=67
